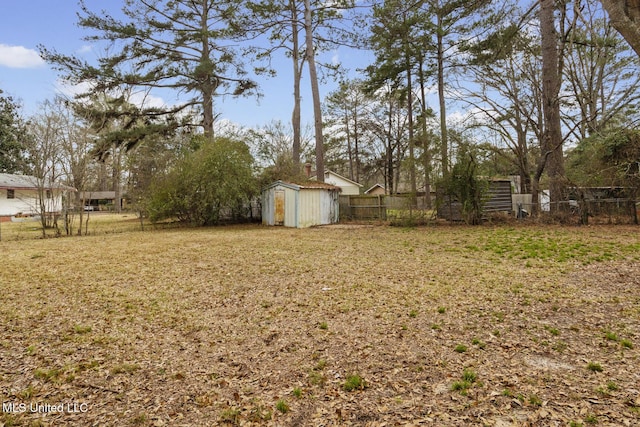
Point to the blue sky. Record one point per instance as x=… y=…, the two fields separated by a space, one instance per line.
x=52 y=23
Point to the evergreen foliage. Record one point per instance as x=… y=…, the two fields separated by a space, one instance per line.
x=610 y=159
x=465 y=186
x=215 y=179
x=12 y=134
x=178 y=45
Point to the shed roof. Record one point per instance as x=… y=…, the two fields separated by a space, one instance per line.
x=27 y=182
x=304 y=185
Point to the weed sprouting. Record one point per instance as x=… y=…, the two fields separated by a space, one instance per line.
x=553 y=331
x=469 y=375
x=282 y=406
x=625 y=343
x=51 y=375
x=594 y=367
x=460 y=348
x=354 y=382
x=535 y=400
x=481 y=345
x=461 y=386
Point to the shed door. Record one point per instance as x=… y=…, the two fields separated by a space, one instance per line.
x=279 y=212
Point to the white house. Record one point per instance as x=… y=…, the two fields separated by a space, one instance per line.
x=19 y=194
x=300 y=205
x=348 y=187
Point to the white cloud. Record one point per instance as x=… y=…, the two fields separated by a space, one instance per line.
x=335 y=59
x=142 y=99
x=85 y=49
x=146 y=100
x=70 y=91
x=19 y=57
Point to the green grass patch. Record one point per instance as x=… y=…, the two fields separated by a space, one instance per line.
x=460 y=348
x=124 y=368
x=354 y=382
x=594 y=367
x=282 y=406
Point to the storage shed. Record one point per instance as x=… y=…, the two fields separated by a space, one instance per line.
x=300 y=205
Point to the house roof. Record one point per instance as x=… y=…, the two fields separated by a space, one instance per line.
x=373 y=187
x=27 y=182
x=330 y=172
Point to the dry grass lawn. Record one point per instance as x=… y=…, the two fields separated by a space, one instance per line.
x=343 y=325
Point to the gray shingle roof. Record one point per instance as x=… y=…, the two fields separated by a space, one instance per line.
x=8 y=180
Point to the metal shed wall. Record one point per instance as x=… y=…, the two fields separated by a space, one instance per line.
x=330 y=211
x=303 y=206
x=317 y=206
x=268 y=206
x=290 y=206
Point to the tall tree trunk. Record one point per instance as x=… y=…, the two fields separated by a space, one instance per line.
x=349 y=145
x=522 y=156
x=315 y=91
x=551 y=146
x=116 y=174
x=625 y=17
x=297 y=71
x=207 y=114
x=425 y=137
x=390 y=168
x=209 y=85
x=444 y=137
x=412 y=155
x=356 y=143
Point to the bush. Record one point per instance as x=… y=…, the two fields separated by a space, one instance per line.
x=464 y=186
x=215 y=178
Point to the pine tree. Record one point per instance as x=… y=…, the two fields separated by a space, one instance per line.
x=181 y=45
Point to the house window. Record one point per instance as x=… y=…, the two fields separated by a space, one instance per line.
x=11 y=194
x=48 y=194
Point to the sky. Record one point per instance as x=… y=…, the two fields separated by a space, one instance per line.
x=53 y=23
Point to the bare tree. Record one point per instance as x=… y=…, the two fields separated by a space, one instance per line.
x=44 y=149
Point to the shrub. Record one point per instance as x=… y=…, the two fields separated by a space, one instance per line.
x=464 y=186
x=215 y=178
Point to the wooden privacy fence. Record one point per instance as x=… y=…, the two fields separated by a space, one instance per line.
x=363 y=207
x=375 y=207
